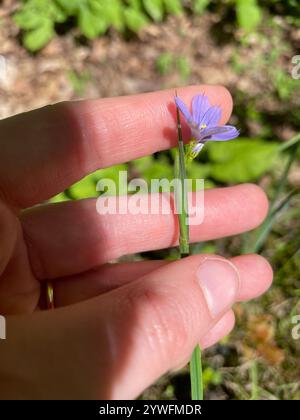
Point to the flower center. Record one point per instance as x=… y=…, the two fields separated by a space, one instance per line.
x=203 y=126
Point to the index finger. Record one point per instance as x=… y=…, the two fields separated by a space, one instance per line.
x=46 y=150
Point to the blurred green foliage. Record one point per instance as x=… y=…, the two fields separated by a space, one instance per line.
x=39 y=18
x=93 y=17
x=79 y=80
x=248 y=14
x=211 y=376
x=243 y=160
x=167 y=62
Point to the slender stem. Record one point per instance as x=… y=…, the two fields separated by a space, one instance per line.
x=269 y=222
x=266 y=227
x=254 y=380
x=290 y=143
x=283 y=179
x=184 y=249
x=196 y=375
x=180 y=173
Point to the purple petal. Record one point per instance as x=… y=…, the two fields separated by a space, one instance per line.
x=186 y=113
x=211 y=117
x=196 y=134
x=207 y=133
x=197 y=148
x=230 y=134
x=200 y=105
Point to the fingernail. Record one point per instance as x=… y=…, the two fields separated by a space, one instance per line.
x=219 y=281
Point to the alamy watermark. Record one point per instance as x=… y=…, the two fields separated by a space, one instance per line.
x=161 y=196
x=296 y=68
x=3 y=69
x=296 y=328
x=2 y=328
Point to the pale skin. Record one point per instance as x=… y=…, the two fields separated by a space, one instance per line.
x=118 y=327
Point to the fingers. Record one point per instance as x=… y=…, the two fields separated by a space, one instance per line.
x=70 y=238
x=222 y=328
x=19 y=290
x=8 y=235
x=255 y=278
x=46 y=150
x=124 y=340
x=153 y=324
x=164 y=315
x=257 y=271
x=80 y=287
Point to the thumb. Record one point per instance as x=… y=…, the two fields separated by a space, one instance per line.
x=152 y=325
x=117 y=344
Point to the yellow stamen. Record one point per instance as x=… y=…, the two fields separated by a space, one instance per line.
x=203 y=126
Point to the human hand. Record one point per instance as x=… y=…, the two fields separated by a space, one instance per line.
x=116 y=327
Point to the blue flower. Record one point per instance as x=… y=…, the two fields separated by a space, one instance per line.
x=203 y=122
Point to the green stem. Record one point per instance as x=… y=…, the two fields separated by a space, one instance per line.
x=283 y=180
x=254 y=381
x=289 y=143
x=269 y=222
x=196 y=375
x=266 y=227
x=180 y=173
x=184 y=249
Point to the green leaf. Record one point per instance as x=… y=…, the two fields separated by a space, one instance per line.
x=34 y=12
x=135 y=19
x=86 y=187
x=135 y=4
x=241 y=160
x=149 y=168
x=114 y=14
x=70 y=6
x=155 y=9
x=165 y=63
x=113 y=173
x=27 y=20
x=39 y=37
x=248 y=14
x=59 y=198
x=173 y=6
x=184 y=68
x=197 y=170
x=211 y=376
x=91 y=25
x=199 y=6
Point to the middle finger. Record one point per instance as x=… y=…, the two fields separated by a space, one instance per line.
x=70 y=238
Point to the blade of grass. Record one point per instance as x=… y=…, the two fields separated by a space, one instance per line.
x=196 y=375
x=266 y=227
x=286 y=145
x=254 y=381
x=283 y=179
x=184 y=249
x=180 y=173
x=269 y=222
